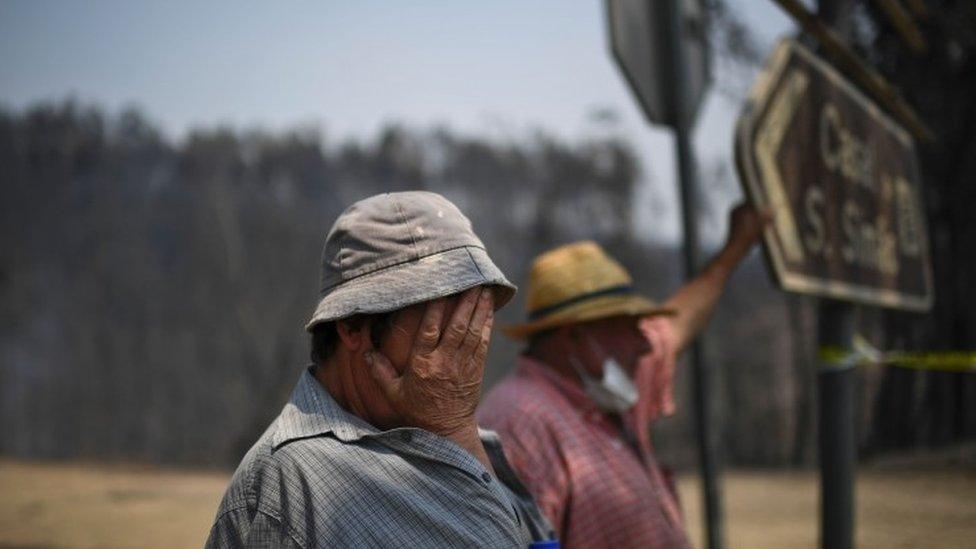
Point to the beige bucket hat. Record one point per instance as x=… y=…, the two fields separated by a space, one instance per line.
x=576 y=283
x=394 y=250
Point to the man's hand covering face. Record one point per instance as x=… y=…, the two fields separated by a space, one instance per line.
x=441 y=385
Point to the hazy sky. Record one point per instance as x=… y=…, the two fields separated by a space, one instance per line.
x=499 y=67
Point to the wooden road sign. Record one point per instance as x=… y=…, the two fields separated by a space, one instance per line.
x=842 y=179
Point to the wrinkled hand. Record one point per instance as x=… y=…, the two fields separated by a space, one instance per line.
x=440 y=387
x=746 y=225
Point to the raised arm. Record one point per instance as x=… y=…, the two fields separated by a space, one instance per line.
x=695 y=301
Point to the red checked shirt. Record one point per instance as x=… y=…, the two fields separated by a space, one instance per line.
x=596 y=488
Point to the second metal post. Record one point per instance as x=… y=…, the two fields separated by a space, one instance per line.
x=688 y=186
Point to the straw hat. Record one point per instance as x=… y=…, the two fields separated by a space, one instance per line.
x=576 y=283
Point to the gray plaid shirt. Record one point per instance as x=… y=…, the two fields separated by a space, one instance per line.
x=321 y=476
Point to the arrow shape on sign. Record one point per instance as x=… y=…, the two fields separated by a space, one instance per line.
x=769 y=138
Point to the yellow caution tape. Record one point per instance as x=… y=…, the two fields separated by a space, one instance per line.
x=864 y=353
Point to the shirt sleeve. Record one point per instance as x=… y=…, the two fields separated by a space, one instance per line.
x=236 y=529
x=654 y=377
x=656 y=372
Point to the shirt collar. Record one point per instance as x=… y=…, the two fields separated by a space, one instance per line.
x=311 y=411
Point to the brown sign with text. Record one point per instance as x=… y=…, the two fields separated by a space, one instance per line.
x=842 y=180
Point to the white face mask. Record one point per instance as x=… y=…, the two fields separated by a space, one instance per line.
x=615 y=392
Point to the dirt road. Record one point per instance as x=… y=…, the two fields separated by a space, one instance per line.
x=72 y=505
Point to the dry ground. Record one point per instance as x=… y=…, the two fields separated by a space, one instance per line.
x=73 y=505
x=895 y=509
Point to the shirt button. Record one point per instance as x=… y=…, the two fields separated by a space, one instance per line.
x=486 y=477
x=406 y=436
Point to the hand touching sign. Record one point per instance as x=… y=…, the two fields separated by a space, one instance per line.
x=746 y=224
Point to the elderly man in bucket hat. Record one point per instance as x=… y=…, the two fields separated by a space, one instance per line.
x=378 y=445
x=575 y=414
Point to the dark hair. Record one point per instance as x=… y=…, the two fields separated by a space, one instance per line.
x=325 y=338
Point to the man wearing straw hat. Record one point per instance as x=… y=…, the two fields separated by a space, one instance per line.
x=597 y=370
x=378 y=445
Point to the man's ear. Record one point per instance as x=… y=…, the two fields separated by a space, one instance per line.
x=355 y=336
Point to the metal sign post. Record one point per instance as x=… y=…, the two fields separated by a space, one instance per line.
x=678 y=98
x=836 y=434
x=836 y=438
x=662 y=51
